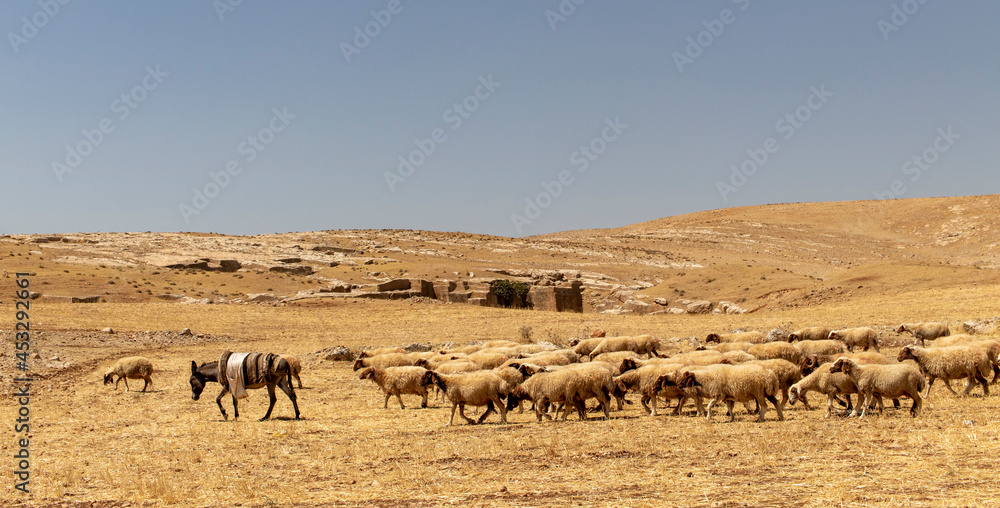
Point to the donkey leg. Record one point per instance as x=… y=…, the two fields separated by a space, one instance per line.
x=236 y=408
x=218 y=400
x=290 y=392
x=272 y=398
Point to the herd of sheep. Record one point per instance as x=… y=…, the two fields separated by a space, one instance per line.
x=728 y=369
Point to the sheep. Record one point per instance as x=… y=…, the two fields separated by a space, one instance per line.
x=571 y=384
x=823 y=380
x=644 y=380
x=730 y=384
x=564 y=357
x=368 y=353
x=132 y=367
x=500 y=343
x=788 y=374
x=924 y=331
x=530 y=349
x=706 y=357
x=772 y=350
x=586 y=346
x=991 y=347
x=465 y=350
x=865 y=337
x=296 y=367
x=820 y=347
x=954 y=340
x=811 y=362
x=641 y=344
x=727 y=346
x=752 y=337
x=398 y=381
x=488 y=359
x=891 y=381
x=616 y=357
x=952 y=362
x=435 y=361
x=385 y=361
x=472 y=388
x=811 y=333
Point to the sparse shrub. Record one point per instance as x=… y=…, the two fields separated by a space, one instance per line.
x=525 y=333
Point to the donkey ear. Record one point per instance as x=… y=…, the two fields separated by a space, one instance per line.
x=194 y=366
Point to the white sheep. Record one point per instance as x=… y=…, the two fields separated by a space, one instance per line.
x=731 y=384
x=368 y=353
x=788 y=374
x=774 y=350
x=132 y=367
x=925 y=331
x=810 y=333
x=398 y=381
x=863 y=337
x=820 y=347
x=571 y=385
x=751 y=337
x=586 y=346
x=892 y=381
x=616 y=357
x=724 y=347
x=951 y=362
x=481 y=388
x=824 y=381
x=641 y=344
x=489 y=358
x=435 y=361
x=645 y=380
x=385 y=361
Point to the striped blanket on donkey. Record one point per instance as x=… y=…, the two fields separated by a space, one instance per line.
x=239 y=372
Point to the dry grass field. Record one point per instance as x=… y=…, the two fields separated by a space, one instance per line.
x=94 y=446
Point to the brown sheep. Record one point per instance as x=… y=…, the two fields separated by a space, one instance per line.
x=925 y=331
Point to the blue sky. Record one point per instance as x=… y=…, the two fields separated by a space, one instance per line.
x=496 y=106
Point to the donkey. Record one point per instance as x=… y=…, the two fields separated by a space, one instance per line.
x=279 y=373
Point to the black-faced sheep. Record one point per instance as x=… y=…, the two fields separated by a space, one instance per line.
x=810 y=333
x=641 y=344
x=925 y=331
x=952 y=362
x=891 y=381
x=132 y=367
x=731 y=384
x=474 y=389
x=751 y=337
x=863 y=337
x=396 y=381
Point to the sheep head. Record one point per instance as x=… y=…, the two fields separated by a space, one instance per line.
x=844 y=365
x=433 y=378
x=359 y=364
x=627 y=365
x=808 y=365
x=422 y=362
x=713 y=337
x=834 y=336
x=107 y=378
x=663 y=382
x=901 y=328
x=573 y=342
x=688 y=380
x=906 y=354
x=792 y=337
x=366 y=373
x=793 y=395
x=364 y=354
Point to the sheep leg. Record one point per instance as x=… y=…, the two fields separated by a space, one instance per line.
x=947 y=384
x=602 y=397
x=385 y=405
x=708 y=410
x=699 y=407
x=730 y=405
x=461 y=412
x=982 y=381
x=146 y=382
x=423 y=400
x=400 y=400
x=805 y=401
x=126 y=382
x=829 y=405
x=451 y=420
x=864 y=407
x=680 y=404
x=489 y=410
x=503 y=408
x=655 y=400
x=917 y=404
x=777 y=407
x=930 y=382
x=218 y=400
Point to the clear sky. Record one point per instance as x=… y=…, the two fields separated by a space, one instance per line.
x=513 y=117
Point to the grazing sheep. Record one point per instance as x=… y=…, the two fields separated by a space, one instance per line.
x=641 y=344
x=734 y=357
x=820 y=347
x=812 y=362
x=752 y=337
x=488 y=359
x=645 y=379
x=824 y=381
x=725 y=347
x=925 y=331
x=952 y=362
x=954 y=340
x=773 y=350
x=788 y=374
x=530 y=349
x=385 y=361
x=368 y=353
x=398 y=381
x=132 y=367
x=864 y=337
x=731 y=384
x=474 y=389
x=891 y=381
x=811 y=333
x=571 y=384
x=296 y=367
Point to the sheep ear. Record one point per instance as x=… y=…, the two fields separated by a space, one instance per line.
x=194 y=366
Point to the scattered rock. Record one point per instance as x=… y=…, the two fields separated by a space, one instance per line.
x=229 y=265
x=660 y=301
x=598 y=332
x=777 y=335
x=86 y=299
x=337 y=354
x=293 y=270
x=108 y=330
x=417 y=348
x=676 y=310
x=369 y=262
x=170 y=297
x=185 y=331
x=261 y=297
x=290 y=260
x=699 y=307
